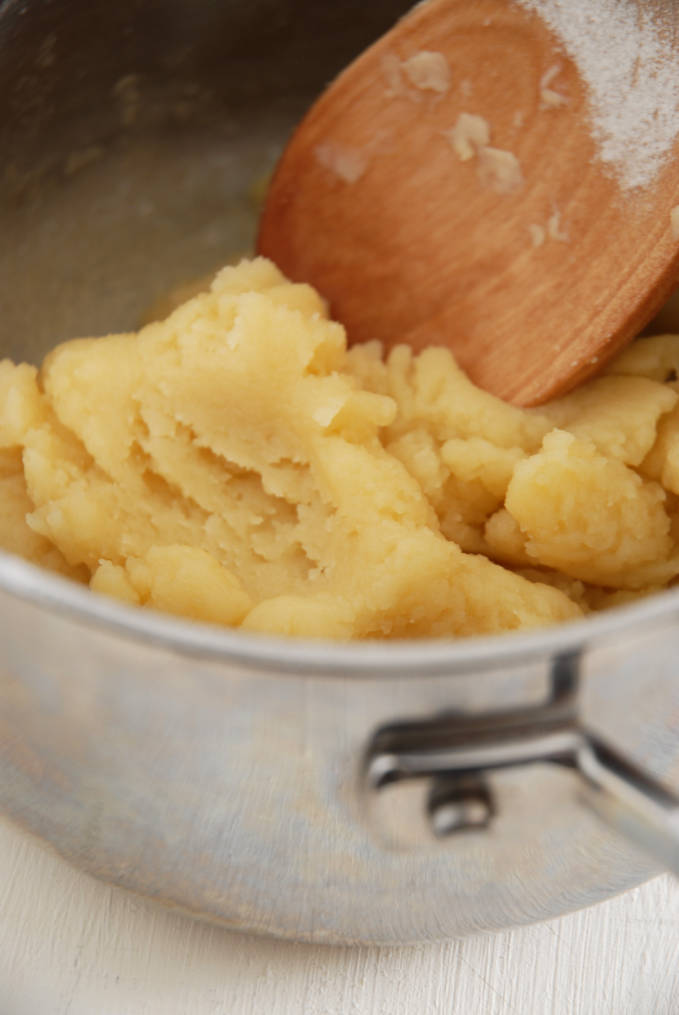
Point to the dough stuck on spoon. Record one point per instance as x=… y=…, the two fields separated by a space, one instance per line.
x=498 y=178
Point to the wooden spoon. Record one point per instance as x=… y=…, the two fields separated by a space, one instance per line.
x=505 y=237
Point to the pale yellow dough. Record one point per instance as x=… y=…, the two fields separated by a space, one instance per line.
x=236 y=464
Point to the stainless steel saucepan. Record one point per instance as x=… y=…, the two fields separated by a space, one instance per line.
x=332 y=793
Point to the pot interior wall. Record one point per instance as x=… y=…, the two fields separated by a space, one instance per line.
x=133 y=139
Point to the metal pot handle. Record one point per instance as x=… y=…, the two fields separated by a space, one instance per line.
x=630 y=800
x=455 y=754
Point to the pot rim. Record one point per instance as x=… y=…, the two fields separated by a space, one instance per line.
x=397 y=658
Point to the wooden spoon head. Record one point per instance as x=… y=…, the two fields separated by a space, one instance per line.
x=534 y=265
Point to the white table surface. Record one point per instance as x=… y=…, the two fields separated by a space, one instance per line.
x=72 y=946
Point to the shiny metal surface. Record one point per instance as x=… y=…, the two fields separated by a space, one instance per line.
x=214 y=771
x=457 y=757
x=641 y=808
